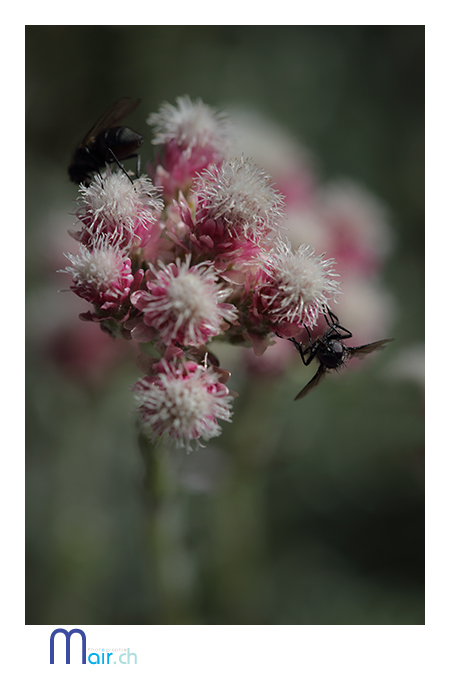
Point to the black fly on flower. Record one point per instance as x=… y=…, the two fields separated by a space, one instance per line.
x=330 y=351
x=106 y=143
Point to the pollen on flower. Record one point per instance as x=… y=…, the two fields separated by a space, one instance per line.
x=181 y=404
x=185 y=303
x=241 y=194
x=191 y=124
x=301 y=284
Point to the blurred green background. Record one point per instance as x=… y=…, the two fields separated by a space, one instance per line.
x=305 y=514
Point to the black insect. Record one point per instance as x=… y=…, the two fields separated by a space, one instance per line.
x=106 y=143
x=330 y=351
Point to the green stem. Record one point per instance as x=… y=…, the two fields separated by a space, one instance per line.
x=241 y=585
x=167 y=530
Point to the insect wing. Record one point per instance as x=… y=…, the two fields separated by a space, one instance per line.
x=361 y=352
x=312 y=383
x=112 y=117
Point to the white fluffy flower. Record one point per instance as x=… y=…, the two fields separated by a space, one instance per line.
x=190 y=124
x=99 y=267
x=102 y=275
x=182 y=403
x=242 y=195
x=185 y=303
x=115 y=207
x=301 y=284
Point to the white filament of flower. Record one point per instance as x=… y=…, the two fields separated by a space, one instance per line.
x=190 y=124
x=99 y=268
x=184 y=408
x=241 y=193
x=304 y=282
x=114 y=198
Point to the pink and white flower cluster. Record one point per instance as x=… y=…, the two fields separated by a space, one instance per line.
x=196 y=253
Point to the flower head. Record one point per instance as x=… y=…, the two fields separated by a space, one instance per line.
x=102 y=275
x=191 y=125
x=296 y=286
x=184 y=303
x=357 y=224
x=112 y=206
x=193 y=135
x=239 y=194
x=237 y=213
x=182 y=402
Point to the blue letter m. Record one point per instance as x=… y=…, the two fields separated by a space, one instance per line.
x=68 y=635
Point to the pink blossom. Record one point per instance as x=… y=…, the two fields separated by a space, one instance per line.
x=357 y=226
x=114 y=208
x=103 y=276
x=293 y=288
x=236 y=214
x=182 y=403
x=84 y=353
x=239 y=195
x=184 y=303
x=192 y=136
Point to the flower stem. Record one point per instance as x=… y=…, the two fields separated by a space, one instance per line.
x=167 y=530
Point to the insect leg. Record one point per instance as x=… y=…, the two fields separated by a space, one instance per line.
x=120 y=165
x=335 y=327
x=138 y=164
x=308 y=353
x=312 y=348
